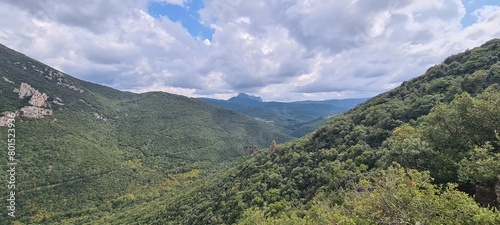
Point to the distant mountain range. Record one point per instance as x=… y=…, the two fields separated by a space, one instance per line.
x=294 y=118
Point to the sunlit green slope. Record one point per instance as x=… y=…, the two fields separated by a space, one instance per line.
x=371 y=165
x=100 y=144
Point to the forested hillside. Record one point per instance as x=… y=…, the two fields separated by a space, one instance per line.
x=426 y=152
x=84 y=148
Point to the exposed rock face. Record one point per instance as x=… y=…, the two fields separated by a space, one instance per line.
x=58 y=101
x=38 y=99
x=272 y=147
x=99 y=117
x=4 y=118
x=51 y=73
x=65 y=83
x=35 y=112
x=250 y=149
x=26 y=90
x=3 y=121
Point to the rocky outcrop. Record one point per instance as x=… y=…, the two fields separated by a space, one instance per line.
x=38 y=99
x=28 y=112
x=99 y=117
x=38 y=102
x=4 y=119
x=35 y=112
x=58 y=101
x=272 y=147
x=51 y=74
x=26 y=90
x=65 y=83
x=249 y=149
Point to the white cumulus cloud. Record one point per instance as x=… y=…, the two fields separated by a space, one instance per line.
x=280 y=50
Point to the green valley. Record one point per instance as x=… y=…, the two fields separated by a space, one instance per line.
x=99 y=145
x=426 y=152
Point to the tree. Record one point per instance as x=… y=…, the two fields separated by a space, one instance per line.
x=454 y=130
x=407 y=147
x=482 y=168
x=402 y=196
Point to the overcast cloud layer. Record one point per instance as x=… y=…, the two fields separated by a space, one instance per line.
x=280 y=50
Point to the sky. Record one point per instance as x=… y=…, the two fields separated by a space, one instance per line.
x=281 y=50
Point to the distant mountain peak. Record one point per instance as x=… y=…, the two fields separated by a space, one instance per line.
x=247 y=96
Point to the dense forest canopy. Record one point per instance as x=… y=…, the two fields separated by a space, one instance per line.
x=431 y=142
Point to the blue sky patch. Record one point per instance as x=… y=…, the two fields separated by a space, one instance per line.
x=187 y=15
x=473 y=5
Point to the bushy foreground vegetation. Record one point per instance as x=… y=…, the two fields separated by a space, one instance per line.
x=396 y=196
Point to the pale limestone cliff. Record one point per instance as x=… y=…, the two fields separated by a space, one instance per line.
x=26 y=90
x=38 y=99
x=35 y=112
x=38 y=102
x=4 y=119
